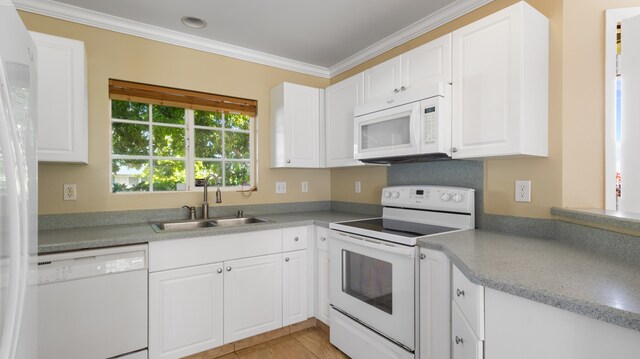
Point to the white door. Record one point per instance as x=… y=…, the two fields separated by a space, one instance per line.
x=486 y=85
x=302 y=121
x=340 y=100
x=294 y=287
x=382 y=81
x=185 y=311
x=427 y=64
x=323 y=286
x=435 y=305
x=630 y=126
x=252 y=296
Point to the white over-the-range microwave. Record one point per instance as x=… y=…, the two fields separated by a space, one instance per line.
x=410 y=126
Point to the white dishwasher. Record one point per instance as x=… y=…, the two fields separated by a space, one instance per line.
x=93 y=304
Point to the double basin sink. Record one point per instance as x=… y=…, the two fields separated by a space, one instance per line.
x=186 y=225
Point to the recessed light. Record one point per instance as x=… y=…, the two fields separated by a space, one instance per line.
x=193 y=22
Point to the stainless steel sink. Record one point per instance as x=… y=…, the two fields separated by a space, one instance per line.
x=187 y=225
x=233 y=221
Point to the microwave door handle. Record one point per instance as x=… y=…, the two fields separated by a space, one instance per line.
x=416 y=121
x=369 y=243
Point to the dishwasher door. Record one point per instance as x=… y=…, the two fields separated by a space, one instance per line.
x=92 y=304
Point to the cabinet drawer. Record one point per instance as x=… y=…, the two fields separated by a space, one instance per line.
x=322 y=239
x=294 y=239
x=470 y=299
x=465 y=344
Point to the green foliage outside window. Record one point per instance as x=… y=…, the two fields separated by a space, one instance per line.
x=149 y=147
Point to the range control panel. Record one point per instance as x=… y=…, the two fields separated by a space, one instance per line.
x=437 y=198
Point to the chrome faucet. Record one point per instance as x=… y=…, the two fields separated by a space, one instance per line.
x=192 y=211
x=205 y=204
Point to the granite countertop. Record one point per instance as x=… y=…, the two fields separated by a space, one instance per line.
x=547 y=271
x=68 y=239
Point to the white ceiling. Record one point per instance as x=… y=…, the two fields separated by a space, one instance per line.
x=333 y=35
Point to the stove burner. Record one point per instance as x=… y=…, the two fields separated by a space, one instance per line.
x=399 y=228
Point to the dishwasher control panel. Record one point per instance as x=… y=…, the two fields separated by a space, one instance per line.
x=85 y=264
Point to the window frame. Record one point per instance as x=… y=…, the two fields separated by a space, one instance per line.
x=189 y=158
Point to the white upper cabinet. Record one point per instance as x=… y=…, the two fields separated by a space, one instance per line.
x=340 y=100
x=62 y=99
x=500 y=85
x=421 y=66
x=296 y=126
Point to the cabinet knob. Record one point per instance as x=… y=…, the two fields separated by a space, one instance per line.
x=219 y=270
x=422 y=256
x=296 y=239
x=459 y=293
x=396 y=90
x=454 y=149
x=402 y=88
x=286 y=259
x=228 y=269
x=288 y=161
x=459 y=340
x=322 y=239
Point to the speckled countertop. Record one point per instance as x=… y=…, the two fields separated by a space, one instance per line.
x=68 y=239
x=547 y=271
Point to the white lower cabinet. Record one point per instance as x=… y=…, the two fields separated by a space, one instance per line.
x=252 y=296
x=467 y=317
x=435 y=305
x=466 y=344
x=185 y=311
x=294 y=287
x=322 y=275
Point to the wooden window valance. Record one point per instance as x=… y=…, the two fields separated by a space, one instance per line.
x=168 y=96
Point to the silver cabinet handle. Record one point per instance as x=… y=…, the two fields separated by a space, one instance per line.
x=228 y=269
x=422 y=256
x=459 y=340
x=454 y=149
x=219 y=270
x=288 y=161
x=459 y=293
x=322 y=239
x=296 y=239
x=396 y=90
x=286 y=259
x=402 y=88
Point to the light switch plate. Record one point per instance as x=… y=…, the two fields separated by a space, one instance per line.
x=358 y=187
x=281 y=187
x=305 y=186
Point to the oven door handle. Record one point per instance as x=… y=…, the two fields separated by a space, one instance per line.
x=376 y=244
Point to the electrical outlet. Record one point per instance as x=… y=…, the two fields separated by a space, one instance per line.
x=69 y=192
x=305 y=186
x=281 y=187
x=523 y=191
x=358 y=187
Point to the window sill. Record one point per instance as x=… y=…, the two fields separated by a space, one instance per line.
x=615 y=221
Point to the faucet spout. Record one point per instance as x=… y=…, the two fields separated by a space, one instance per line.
x=205 y=204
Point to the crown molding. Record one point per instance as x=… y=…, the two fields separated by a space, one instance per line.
x=108 y=22
x=422 y=26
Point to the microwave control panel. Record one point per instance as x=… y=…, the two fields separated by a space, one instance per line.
x=430 y=123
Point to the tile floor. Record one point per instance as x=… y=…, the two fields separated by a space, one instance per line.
x=310 y=343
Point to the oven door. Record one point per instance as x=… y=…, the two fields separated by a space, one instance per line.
x=372 y=281
x=388 y=133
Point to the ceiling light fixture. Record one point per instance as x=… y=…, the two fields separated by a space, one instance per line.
x=193 y=22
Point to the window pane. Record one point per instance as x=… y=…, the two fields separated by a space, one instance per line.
x=168 y=141
x=236 y=145
x=208 y=144
x=129 y=139
x=166 y=114
x=168 y=174
x=206 y=118
x=205 y=168
x=129 y=175
x=236 y=173
x=127 y=110
x=237 y=121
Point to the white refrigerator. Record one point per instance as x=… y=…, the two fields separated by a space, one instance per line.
x=18 y=188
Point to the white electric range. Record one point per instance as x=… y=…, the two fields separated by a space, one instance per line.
x=373 y=290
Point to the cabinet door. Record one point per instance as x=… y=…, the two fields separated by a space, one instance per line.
x=427 y=64
x=382 y=81
x=62 y=99
x=294 y=287
x=252 y=296
x=340 y=100
x=500 y=85
x=323 y=286
x=435 y=305
x=185 y=311
x=464 y=341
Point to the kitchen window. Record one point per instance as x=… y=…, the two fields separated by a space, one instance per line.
x=162 y=139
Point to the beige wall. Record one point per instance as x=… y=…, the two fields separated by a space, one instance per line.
x=114 y=55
